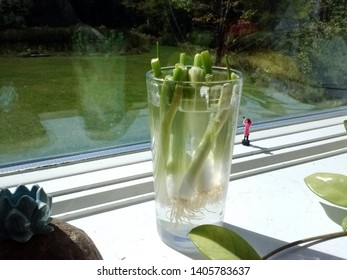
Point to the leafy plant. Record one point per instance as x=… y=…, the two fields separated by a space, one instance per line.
x=220 y=243
x=329 y=186
x=24 y=213
x=217 y=242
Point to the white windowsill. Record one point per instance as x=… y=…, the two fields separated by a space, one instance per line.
x=268 y=201
x=267 y=209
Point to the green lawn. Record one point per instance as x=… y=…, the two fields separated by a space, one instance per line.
x=99 y=88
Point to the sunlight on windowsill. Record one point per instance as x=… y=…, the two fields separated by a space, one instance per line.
x=268 y=202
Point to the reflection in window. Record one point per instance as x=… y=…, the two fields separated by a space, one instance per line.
x=72 y=77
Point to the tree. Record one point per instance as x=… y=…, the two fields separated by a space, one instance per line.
x=322 y=41
x=109 y=13
x=161 y=17
x=54 y=13
x=13 y=13
x=150 y=14
x=216 y=15
x=229 y=19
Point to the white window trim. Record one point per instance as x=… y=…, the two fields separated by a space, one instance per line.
x=97 y=186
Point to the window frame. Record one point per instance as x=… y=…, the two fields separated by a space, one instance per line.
x=93 y=186
x=133 y=153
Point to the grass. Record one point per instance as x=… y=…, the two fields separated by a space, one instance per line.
x=100 y=88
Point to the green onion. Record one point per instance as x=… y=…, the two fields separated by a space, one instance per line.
x=181 y=176
x=197 y=60
x=206 y=62
x=155 y=64
x=183 y=58
x=186 y=190
x=156 y=67
x=196 y=74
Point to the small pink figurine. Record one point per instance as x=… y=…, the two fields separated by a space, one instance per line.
x=246 y=131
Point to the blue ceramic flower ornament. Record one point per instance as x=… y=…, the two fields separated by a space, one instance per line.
x=24 y=213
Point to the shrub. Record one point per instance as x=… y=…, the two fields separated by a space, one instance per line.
x=38 y=38
x=81 y=39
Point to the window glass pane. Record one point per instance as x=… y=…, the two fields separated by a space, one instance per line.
x=72 y=73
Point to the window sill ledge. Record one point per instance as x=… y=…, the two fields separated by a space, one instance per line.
x=268 y=202
x=268 y=210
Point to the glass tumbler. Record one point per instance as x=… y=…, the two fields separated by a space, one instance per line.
x=193 y=125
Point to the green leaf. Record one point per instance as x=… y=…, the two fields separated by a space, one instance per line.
x=220 y=243
x=345 y=124
x=329 y=186
x=344 y=224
